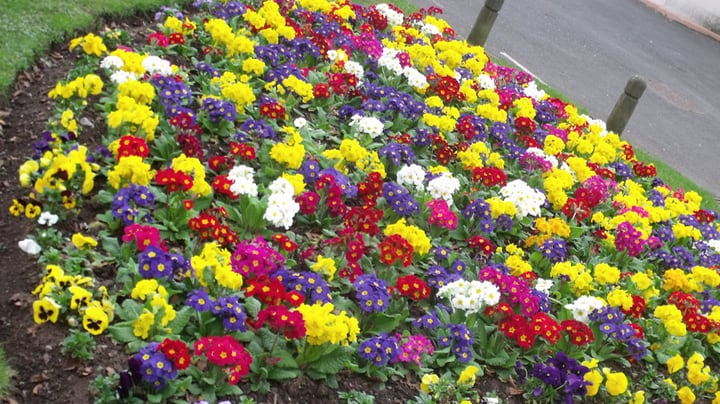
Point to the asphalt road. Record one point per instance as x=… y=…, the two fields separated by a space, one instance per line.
x=587 y=49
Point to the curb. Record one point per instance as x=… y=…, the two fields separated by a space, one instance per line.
x=671 y=15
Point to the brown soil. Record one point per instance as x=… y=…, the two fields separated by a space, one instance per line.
x=43 y=373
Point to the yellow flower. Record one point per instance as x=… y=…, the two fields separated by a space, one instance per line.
x=638 y=398
x=45 y=310
x=594 y=377
x=143 y=288
x=95 y=320
x=143 y=324
x=685 y=395
x=427 y=381
x=467 y=376
x=83 y=242
x=324 y=266
x=80 y=297
x=616 y=383
x=675 y=363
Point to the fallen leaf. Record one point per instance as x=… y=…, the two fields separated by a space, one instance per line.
x=37 y=388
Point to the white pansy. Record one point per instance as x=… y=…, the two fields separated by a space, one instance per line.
x=30 y=246
x=411 y=176
x=47 y=219
x=527 y=200
x=532 y=91
x=583 y=306
x=112 y=62
x=443 y=187
x=156 y=65
x=715 y=245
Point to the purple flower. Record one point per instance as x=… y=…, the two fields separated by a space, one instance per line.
x=379 y=350
x=372 y=292
x=200 y=300
x=554 y=249
x=429 y=321
x=154 y=263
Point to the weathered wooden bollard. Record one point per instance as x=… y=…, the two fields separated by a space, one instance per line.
x=484 y=22
x=625 y=104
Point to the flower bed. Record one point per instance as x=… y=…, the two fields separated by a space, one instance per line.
x=289 y=190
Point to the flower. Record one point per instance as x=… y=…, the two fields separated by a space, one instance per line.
x=616 y=383
x=45 y=309
x=467 y=376
x=30 y=246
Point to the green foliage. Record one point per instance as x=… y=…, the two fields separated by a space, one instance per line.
x=356 y=397
x=79 y=344
x=6 y=373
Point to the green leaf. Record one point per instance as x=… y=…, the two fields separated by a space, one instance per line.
x=383 y=322
x=283 y=374
x=182 y=317
x=331 y=364
x=252 y=306
x=122 y=332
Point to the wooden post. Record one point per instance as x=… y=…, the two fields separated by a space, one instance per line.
x=484 y=22
x=625 y=104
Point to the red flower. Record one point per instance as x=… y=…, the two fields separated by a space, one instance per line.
x=159 y=39
x=177 y=352
x=395 y=248
x=272 y=109
x=489 y=176
x=174 y=180
x=132 y=146
x=413 y=287
x=579 y=332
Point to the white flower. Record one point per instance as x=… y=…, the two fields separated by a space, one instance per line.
x=486 y=82
x=411 y=175
x=156 y=65
x=583 y=306
x=30 y=246
x=443 y=187
x=527 y=200
x=532 y=91
x=122 y=76
x=415 y=78
x=112 y=62
x=300 y=122
x=715 y=245
x=543 y=285
x=242 y=180
x=47 y=219
x=394 y=18
x=429 y=29
x=389 y=61
x=470 y=297
x=368 y=124
x=281 y=205
x=355 y=68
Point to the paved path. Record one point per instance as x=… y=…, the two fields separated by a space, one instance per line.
x=587 y=49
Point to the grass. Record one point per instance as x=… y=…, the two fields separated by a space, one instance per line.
x=6 y=374
x=30 y=27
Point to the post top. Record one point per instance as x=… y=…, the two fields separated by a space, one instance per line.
x=494 y=5
x=635 y=86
